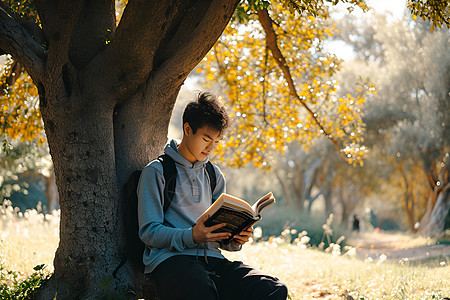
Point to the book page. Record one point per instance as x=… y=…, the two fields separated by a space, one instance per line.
x=237 y=203
x=230 y=201
x=263 y=202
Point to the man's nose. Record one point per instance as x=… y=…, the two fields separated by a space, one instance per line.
x=210 y=146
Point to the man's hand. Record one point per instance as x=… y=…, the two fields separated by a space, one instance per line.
x=243 y=237
x=203 y=234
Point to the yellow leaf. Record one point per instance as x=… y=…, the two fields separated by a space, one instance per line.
x=414 y=17
x=198 y=70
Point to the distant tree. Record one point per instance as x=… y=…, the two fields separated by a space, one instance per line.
x=408 y=124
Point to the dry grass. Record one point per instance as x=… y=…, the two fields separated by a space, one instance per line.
x=312 y=274
x=27 y=240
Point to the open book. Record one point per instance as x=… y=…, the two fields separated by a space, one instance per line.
x=237 y=213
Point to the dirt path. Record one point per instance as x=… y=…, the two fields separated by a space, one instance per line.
x=396 y=246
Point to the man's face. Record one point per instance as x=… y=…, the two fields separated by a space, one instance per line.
x=201 y=144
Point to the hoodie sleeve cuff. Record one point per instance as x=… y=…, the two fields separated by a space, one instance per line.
x=230 y=246
x=188 y=238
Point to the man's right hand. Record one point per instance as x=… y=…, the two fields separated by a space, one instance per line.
x=203 y=234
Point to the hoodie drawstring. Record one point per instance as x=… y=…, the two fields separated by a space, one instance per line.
x=204 y=252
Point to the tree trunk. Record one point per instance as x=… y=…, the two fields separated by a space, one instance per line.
x=327 y=197
x=94 y=150
x=408 y=197
x=51 y=192
x=409 y=202
x=286 y=190
x=297 y=187
x=309 y=179
x=432 y=224
x=81 y=142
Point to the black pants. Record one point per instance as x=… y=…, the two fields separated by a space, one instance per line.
x=185 y=277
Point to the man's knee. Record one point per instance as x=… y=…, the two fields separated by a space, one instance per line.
x=280 y=292
x=184 y=278
x=271 y=289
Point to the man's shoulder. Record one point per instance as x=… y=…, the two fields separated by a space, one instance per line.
x=154 y=166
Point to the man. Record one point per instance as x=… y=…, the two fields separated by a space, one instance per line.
x=173 y=240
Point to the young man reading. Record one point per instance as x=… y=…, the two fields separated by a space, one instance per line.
x=183 y=256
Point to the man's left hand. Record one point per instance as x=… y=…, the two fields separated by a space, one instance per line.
x=243 y=237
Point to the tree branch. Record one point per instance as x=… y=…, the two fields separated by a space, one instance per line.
x=191 y=49
x=128 y=60
x=94 y=30
x=46 y=10
x=59 y=33
x=271 y=40
x=15 y=40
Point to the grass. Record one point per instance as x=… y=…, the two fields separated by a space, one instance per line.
x=27 y=241
x=310 y=273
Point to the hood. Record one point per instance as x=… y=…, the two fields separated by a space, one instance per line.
x=172 y=150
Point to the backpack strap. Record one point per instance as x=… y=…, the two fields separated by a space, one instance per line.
x=170 y=177
x=212 y=176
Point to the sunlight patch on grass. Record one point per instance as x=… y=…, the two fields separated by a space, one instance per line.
x=28 y=240
x=310 y=273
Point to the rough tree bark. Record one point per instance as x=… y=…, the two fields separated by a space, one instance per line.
x=106 y=96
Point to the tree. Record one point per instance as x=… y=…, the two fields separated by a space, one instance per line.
x=407 y=125
x=278 y=81
x=431 y=10
x=106 y=92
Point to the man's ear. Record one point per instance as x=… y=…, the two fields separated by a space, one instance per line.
x=187 y=128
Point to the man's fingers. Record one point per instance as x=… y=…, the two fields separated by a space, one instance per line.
x=218 y=236
x=218 y=226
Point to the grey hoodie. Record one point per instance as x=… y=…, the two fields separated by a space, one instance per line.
x=170 y=234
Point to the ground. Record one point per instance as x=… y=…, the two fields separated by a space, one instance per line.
x=396 y=246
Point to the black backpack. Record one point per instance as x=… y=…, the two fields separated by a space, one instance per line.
x=134 y=247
